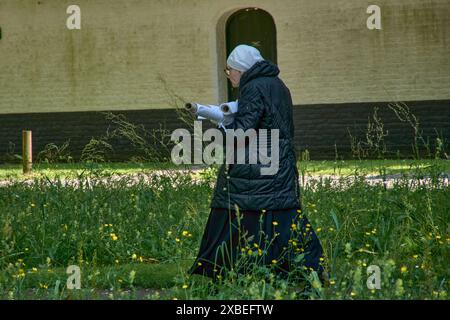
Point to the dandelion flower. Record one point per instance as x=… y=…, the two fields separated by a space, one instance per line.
x=43 y=286
x=134 y=256
x=113 y=236
x=403 y=269
x=185 y=233
x=185 y=286
x=275 y=223
x=274 y=261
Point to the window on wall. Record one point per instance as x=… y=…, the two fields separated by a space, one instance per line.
x=254 y=27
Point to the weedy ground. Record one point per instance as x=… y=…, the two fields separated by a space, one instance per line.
x=134 y=237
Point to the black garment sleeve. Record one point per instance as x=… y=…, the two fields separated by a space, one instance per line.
x=250 y=109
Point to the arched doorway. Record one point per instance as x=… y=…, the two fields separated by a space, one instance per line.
x=254 y=27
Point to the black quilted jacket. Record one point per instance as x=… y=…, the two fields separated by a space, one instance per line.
x=264 y=103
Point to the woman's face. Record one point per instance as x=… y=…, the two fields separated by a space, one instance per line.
x=234 y=76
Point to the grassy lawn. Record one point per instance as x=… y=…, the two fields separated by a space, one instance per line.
x=325 y=167
x=129 y=239
x=14 y=171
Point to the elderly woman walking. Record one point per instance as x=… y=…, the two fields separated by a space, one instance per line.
x=258 y=219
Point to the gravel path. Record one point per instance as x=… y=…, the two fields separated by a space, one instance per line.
x=124 y=180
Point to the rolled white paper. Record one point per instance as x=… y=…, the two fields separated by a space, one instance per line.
x=210 y=112
x=223 y=113
x=229 y=107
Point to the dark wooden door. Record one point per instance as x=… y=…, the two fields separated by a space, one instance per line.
x=254 y=27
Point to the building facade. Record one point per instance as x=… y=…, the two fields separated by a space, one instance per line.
x=134 y=56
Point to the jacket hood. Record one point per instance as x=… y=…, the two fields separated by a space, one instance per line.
x=263 y=68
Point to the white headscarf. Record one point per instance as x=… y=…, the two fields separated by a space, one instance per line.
x=243 y=57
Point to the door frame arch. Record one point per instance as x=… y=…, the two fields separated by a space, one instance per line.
x=221 y=49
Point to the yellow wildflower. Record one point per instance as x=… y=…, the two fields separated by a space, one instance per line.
x=43 y=286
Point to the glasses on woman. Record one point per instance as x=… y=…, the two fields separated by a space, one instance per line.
x=227 y=71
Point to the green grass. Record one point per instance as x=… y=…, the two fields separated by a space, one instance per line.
x=370 y=167
x=313 y=167
x=110 y=229
x=14 y=171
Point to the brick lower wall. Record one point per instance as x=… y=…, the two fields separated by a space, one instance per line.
x=321 y=129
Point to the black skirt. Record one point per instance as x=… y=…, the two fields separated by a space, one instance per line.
x=282 y=239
